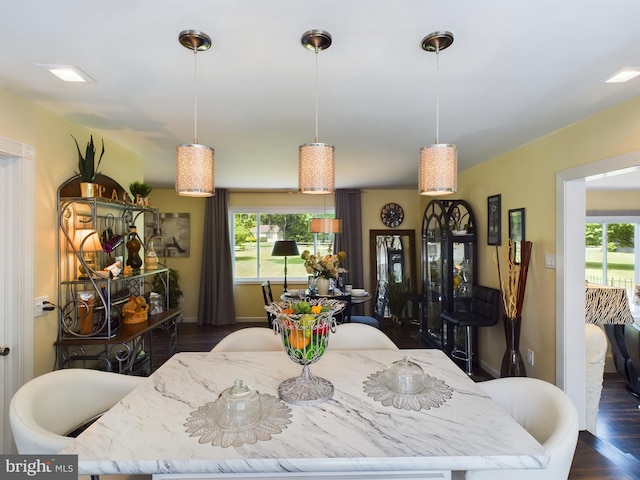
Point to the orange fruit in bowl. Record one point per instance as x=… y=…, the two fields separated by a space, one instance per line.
x=298 y=340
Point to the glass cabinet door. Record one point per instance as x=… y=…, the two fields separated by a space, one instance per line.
x=433 y=272
x=449 y=268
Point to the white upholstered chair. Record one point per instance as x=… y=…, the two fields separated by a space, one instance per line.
x=55 y=404
x=547 y=413
x=359 y=336
x=250 y=339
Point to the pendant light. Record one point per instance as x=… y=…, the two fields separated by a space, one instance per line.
x=438 y=173
x=325 y=224
x=316 y=167
x=195 y=162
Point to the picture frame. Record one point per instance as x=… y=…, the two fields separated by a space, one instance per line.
x=516 y=232
x=174 y=237
x=494 y=222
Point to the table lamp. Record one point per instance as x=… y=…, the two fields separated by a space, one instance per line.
x=604 y=305
x=285 y=248
x=86 y=242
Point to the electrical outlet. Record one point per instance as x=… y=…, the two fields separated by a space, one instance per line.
x=530 y=357
x=38 y=306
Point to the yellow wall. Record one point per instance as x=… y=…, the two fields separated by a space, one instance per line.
x=613 y=200
x=526 y=177
x=55 y=161
x=168 y=201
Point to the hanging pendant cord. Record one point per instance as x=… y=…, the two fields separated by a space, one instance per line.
x=195 y=94
x=316 y=95
x=437 y=95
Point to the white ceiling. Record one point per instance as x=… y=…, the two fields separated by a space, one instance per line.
x=516 y=71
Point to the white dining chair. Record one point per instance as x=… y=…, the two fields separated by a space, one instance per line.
x=250 y=339
x=547 y=413
x=359 y=336
x=48 y=408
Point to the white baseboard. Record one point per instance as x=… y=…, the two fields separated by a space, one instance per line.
x=490 y=370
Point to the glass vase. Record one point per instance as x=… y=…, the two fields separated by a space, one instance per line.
x=512 y=361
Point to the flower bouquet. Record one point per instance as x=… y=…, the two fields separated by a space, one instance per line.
x=326 y=267
x=304 y=327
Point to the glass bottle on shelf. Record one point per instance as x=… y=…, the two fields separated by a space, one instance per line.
x=150 y=257
x=134 y=244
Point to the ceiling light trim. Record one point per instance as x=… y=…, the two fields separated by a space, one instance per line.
x=67 y=73
x=623 y=75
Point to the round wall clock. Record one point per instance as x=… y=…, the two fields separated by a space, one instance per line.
x=392 y=215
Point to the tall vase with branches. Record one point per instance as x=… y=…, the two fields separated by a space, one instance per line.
x=512 y=289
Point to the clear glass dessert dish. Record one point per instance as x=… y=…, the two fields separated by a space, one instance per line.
x=404 y=377
x=238 y=407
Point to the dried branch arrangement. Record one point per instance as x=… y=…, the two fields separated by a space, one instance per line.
x=513 y=288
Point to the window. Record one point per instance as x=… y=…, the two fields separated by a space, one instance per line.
x=612 y=251
x=254 y=232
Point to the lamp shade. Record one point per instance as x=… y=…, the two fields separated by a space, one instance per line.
x=438 y=173
x=285 y=248
x=195 y=170
x=316 y=168
x=92 y=242
x=605 y=305
x=325 y=225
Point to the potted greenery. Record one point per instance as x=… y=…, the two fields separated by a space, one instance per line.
x=175 y=294
x=87 y=168
x=140 y=192
x=397 y=301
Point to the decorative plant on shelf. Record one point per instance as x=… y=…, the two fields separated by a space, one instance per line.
x=87 y=168
x=140 y=192
x=140 y=188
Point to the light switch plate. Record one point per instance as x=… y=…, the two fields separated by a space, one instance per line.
x=549 y=260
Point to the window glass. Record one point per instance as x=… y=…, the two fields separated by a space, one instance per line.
x=254 y=234
x=611 y=254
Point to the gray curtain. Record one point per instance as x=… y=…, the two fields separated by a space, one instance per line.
x=349 y=210
x=217 y=305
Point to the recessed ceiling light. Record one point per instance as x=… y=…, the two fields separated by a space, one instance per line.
x=624 y=75
x=68 y=73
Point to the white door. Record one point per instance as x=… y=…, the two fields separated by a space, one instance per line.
x=16 y=280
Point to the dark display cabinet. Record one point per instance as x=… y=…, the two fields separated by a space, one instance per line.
x=449 y=268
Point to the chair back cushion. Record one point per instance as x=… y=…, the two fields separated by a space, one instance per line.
x=547 y=413
x=250 y=339
x=50 y=406
x=359 y=336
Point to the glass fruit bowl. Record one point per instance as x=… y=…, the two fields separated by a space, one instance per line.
x=304 y=326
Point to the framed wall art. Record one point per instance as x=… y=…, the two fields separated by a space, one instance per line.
x=516 y=231
x=494 y=224
x=173 y=239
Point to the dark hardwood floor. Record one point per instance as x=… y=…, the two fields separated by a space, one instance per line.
x=613 y=455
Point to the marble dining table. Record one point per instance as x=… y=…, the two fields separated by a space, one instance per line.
x=352 y=435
